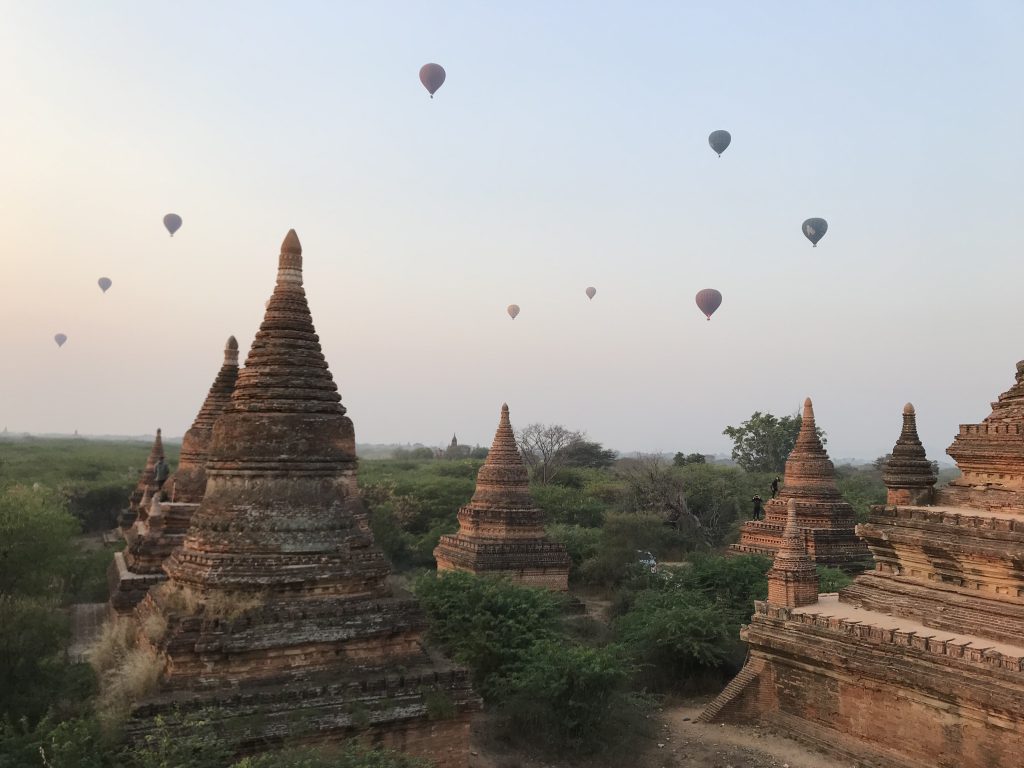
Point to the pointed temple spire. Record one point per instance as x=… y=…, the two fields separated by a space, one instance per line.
x=278 y=594
x=908 y=475
x=188 y=483
x=501 y=530
x=146 y=486
x=822 y=512
x=793 y=577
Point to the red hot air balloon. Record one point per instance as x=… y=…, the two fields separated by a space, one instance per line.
x=709 y=300
x=513 y=310
x=591 y=292
x=432 y=77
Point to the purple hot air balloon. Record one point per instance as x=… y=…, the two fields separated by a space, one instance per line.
x=591 y=292
x=60 y=338
x=432 y=77
x=513 y=310
x=173 y=223
x=104 y=283
x=709 y=300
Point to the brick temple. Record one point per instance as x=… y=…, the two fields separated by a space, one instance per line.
x=501 y=530
x=826 y=519
x=277 y=609
x=919 y=663
x=161 y=526
x=145 y=489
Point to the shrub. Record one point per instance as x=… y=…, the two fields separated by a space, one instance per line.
x=349 y=756
x=36 y=543
x=581 y=543
x=832 y=579
x=567 y=692
x=486 y=623
x=192 y=742
x=121 y=687
x=74 y=743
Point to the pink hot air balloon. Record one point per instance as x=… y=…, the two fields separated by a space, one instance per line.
x=709 y=300
x=432 y=77
x=591 y=292
x=513 y=310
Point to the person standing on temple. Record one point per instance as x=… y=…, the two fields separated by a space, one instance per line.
x=757 y=507
x=775 y=487
x=161 y=472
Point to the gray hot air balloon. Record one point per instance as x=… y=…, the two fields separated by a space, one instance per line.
x=60 y=338
x=104 y=283
x=432 y=77
x=513 y=310
x=173 y=223
x=814 y=230
x=719 y=141
x=591 y=292
x=708 y=300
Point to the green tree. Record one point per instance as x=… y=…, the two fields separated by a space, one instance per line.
x=685 y=459
x=585 y=453
x=763 y=442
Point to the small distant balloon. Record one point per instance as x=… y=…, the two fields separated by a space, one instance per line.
x=591 y=292
x=708 y=300
x=60 y=338
x=104 y=283
x=814 y=230
x=719 y=141
x=513 y=310
x=173 y=223
x=432 y=77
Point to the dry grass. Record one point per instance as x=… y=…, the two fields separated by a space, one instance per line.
x=154 y=627
x=115 y=641
x=213 y=605
x=136 y=677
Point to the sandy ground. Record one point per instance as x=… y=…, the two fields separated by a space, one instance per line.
x=675 y=741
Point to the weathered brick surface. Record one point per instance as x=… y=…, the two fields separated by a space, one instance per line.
x=825 y=518
x=277 y=604
x=919 y=663
x=501 y=530
x=145 y=489
x=793 y=577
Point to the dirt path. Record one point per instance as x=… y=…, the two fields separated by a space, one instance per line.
x=676 y=741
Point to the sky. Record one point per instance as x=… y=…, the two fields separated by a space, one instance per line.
x=567 y=148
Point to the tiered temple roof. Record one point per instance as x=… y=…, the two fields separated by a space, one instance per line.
x=146 y=488
x=162 y=528
x=825 y=518
x=501 y=529
x=919 y=663
x=278 y=597
x=793 y=578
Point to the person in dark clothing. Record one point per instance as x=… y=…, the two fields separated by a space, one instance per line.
x=161 y=472
x=758 y=511
x=775 y=487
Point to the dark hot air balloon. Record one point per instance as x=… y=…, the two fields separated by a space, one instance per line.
x=104 y=283
x=709 y=300
x=60 y=338
x=719 y=141
x=173 y=223
x=513 y=310
x=814 y=230
x=591 y=292
x=432 y=77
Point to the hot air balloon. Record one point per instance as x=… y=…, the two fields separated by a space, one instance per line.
x=591 y=292
x=814 y=230
x=60 y=338
x=513 y=310
x=719 y=141
x=104 y=283
x=173 y=223
x=432 y=77
x=709 y=300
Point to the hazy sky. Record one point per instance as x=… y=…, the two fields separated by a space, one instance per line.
x=567 y=148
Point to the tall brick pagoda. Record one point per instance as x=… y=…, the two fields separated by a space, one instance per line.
x=501 y=529
x=146 y=488
x=825 y=518
x=919 y=663
x=277 y=606
x=163 y=525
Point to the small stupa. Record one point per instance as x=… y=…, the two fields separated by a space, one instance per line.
x=501 y=529
x=155 y=534
x=147 y=486
x=826 y=519
x=793 y=577
x=277 y=608
x=908 y=475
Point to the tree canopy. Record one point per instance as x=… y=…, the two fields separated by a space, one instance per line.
x=763 y=442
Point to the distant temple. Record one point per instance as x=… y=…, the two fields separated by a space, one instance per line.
x=920 y=662
x=277 y=608
x=161 y=526
x=824 y=517
x=501 y=529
